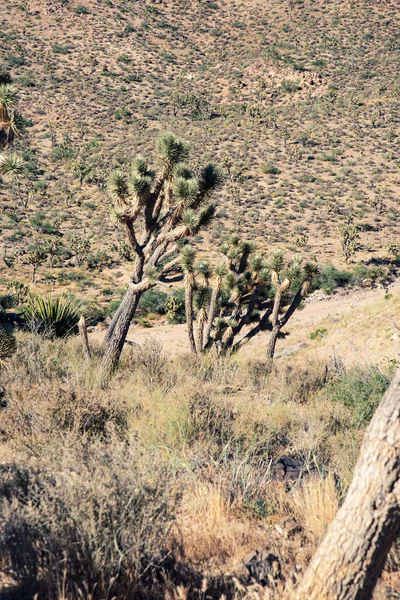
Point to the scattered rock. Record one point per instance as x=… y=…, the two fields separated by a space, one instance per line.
x=287 y=468
x=263 y=567
x=291 y=350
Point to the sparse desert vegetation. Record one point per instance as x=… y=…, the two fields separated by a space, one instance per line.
x=199 y=299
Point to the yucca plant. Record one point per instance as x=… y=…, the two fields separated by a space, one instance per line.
x=8 y=346
x=11 y=166
x=55 y=316
x=11 y=122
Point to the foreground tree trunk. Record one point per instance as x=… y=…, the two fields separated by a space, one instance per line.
x=272 y=341
x=350 y=560
x=118 y=330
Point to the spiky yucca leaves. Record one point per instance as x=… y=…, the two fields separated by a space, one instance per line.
x=8 y=346
x=158 y=209
x=11 y=166
x=55 y=316
x=201 y=302
x=11 y=122
x=8 y=101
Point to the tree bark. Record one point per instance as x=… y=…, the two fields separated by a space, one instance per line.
x=118 y=330
x=350 y=560
x=84 y=337
x=212 y=312
x=272 y=341
x=189 y=311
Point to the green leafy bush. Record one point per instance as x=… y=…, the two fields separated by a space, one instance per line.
x=361 y=390
x=153 y=301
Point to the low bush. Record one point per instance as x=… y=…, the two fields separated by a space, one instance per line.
x=93 y=522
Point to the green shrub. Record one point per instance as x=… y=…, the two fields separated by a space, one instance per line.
x=270 y=169
x=82 y=10
x=318 y=334
x=361 y=390
x=57 y=317
x=330 y=278
x=175 y=307
x=153 y=301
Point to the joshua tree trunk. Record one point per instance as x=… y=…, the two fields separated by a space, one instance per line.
x=212 y=311
x=189 y=311
x=84 y=337
x=350 y=559
x=272 y=341
x=118 y=330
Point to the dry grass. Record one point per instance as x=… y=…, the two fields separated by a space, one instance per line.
x=213 y=429
x=315 y=505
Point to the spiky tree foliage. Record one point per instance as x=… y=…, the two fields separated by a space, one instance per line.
x=158 y=208
x=201 y=302
x=8 y=346
x=55 y=316
x=11 y=122
x=36 y=257
x=11 y=166
x=251 y=293
x=350 y=236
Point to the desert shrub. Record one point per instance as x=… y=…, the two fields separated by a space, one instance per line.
x=93 y=520
x=7 y=301
x=55 y=316
x=330 y=278
x=82 y=10
x=175 y=307
x=153 y=301
x=151 y=361
x=361 y=390
x=270 y=169
x=211 y=419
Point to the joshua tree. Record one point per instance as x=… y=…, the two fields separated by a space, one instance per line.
x=249 y=290
x=11 y=122
x=80 y=247
x=187 y=260
x=36 y=257
x=158 y=209
x=349 y=240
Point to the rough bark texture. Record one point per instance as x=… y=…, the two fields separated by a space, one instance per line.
x=189 y=311
x=272 y=341
x=84 y=337
x=119 y=330
x=350 y=559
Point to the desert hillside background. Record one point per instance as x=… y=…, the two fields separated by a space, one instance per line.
x=193 y=477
